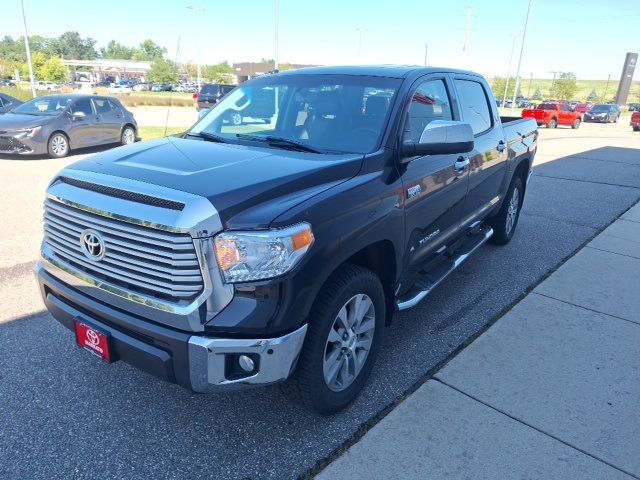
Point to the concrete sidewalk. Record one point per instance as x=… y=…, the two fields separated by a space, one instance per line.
x=550 y=391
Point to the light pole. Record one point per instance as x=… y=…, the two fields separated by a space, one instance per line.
x=506 y=86
x=524 y=36
x=553 y=82
x=426 y=50
x=277 y=26
x=360 y=30
x=606 y=89
x=529 y=89
x=26 y=45
x=196 y=10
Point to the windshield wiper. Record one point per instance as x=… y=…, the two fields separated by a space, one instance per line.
x=279 y=142
x=212 y=137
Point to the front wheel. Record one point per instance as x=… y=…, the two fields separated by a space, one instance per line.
x=58 y=145
x=128 y=135
x=343 y=339
x=576 y=124
x=505 y=222
x=552 y=123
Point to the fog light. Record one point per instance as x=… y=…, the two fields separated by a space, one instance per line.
x=246 y=363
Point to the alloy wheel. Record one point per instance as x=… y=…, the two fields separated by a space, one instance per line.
x=348 y=343
x=512 y=212
x=128 y=136
x=59 y=145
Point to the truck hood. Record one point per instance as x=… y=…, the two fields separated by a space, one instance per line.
x=249 y=186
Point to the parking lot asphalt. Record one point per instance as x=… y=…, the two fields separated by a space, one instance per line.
x=67 y=415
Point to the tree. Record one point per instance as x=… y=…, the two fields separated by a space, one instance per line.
x=498 y=85
x=116 y=50
x=149 y=50
x=162 y=71
x=52 y=70
x=70 y=45
x=537 y=95
x=565 y=87
x=219 y=73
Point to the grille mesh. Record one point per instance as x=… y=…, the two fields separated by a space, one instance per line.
x=141 y=259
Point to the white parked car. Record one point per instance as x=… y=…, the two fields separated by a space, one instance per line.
x=48 y=86
x=141 y=87
x=120 y=90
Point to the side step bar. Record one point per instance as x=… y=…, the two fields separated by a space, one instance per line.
x=426 y=285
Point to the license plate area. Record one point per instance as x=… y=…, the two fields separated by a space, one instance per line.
x=94 y=340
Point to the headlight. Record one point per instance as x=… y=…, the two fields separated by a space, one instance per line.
x=28 y=132
x=250 y=256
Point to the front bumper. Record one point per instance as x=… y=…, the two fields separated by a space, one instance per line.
x=197 y=362
x=20 y=145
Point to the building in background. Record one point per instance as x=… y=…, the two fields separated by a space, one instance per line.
x=93 y=71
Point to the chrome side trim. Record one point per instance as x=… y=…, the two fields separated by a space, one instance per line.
x=412 y=302
x=207 y=360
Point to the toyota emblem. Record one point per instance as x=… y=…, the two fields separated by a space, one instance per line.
x=92 y=337
x=92 y=245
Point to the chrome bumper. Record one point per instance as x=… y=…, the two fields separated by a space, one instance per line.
x=277 y=360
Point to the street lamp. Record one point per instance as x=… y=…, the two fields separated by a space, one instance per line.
x=506 y=86
x=606 y=89
x=426 y=50
x=196 y=10
x=26 y=45
x=275 y=40
x=524 y=36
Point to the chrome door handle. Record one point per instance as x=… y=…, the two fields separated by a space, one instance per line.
x=461 y=164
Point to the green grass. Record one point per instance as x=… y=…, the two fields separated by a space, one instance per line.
x=584 y=88
x=149 y=133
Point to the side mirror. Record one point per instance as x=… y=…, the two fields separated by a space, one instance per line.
x=440 y=137
x=78 y=115
x=202 y=113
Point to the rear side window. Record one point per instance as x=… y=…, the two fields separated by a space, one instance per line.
x=210 y=89
x=102 y=105
x=83 y=106
x=474 y=105
x=429 y=102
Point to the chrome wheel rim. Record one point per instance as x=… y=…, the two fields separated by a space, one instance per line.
x=512 y=212
x=59 y=145
x=348 y=343
x=128 y=136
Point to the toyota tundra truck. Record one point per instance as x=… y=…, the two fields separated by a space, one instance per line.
x=277 y=250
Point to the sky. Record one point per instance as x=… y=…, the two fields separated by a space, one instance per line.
x=587 y=37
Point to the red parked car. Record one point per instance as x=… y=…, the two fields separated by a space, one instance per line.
x=553 y=114
x=583 y=107
x=635 y=121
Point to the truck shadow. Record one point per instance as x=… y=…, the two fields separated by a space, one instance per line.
x=62 y=406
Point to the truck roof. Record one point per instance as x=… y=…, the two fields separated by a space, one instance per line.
x=393 y=71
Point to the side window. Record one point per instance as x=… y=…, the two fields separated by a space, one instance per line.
x=474 y=106
x=114 y=106
x=429 y=102
x=102 y=105
x=83 y=105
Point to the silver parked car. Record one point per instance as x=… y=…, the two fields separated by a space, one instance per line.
x=55 y=124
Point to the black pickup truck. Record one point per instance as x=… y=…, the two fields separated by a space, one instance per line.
x=278 y=249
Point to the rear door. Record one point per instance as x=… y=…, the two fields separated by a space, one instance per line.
x=565 y=115
x=434 y=186
x=488 y=160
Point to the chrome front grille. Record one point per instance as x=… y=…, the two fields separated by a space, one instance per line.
x=142 y=259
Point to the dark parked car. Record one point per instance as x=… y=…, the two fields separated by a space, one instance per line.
x=634 y=107
x=161 y=87
x=55 y=124
x=7 y=102
x=603 y=113
x=211 y=93
x=235 y=256
x=5 y=82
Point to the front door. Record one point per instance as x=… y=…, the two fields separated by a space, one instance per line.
x=82 y=131
x=489 y=156
x=434 y=186
x=110 y=121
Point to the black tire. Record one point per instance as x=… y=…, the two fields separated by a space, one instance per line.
x=502 y=234
x=636 y=129
x=552 y=123
x=58 y=145
x=128 y=135
x=308 y=385
x=576 y=124
x=616 y=119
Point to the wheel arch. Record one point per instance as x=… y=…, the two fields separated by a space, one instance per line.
x=66 y=135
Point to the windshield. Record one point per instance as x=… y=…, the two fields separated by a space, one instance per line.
x=45 y=106
x=600 y=108
x=325 y=113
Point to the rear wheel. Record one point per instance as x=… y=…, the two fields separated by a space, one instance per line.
x=615 y=120
x=343 y=339
x=552 y=123
x=128 y=135
x=576 y=123
x=505 y=222
x=58 y=145
x=636 y=129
